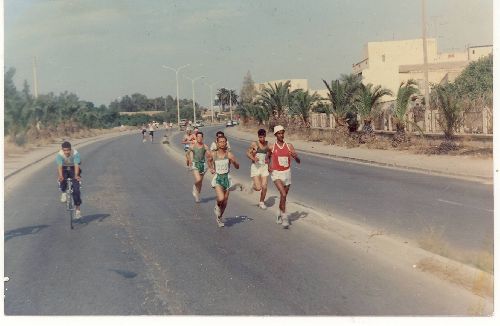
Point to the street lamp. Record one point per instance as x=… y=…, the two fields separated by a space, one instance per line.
x=177 y=82
x=211 y=100
x=192 y=85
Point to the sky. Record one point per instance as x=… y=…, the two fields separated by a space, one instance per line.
x=102 y=50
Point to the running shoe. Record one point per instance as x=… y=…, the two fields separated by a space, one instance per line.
x=217 y=211
x=278 y=218
x=219 y=222
x=196 y=195
x=285 y=223
x=63 y=197
x=262 y=205
x=78 y=214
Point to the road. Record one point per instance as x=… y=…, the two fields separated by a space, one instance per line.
x=144 y=247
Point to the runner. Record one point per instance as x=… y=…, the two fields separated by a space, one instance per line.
x=259 y=153
x=219 y=163
x=143 y=131
x=188 y=139
x=196 y=158
x=280 y=171
x=213 y=146
x=151 y=128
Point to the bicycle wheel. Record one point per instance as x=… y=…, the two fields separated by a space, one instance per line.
x=70 y=207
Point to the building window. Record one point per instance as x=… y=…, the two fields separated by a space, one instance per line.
x=383 y=57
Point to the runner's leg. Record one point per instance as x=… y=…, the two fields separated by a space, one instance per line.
x=263 y=182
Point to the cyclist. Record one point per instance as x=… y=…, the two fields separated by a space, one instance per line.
x=219 y=163
x=68 y=166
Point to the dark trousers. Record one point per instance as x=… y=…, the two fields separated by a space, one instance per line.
x=69 y=172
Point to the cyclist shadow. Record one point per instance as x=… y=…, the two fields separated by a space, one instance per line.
x=206 y=200
x=90 y=218
x=23 y=231
x=232 y=220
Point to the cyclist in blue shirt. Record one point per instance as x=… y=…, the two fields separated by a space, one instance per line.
x=68 y=166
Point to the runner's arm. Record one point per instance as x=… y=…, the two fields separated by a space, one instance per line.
x=60 y=173
x=232 y=159
x=251 y=152
x=77 y=172
x=293 y=153
x=211 y=163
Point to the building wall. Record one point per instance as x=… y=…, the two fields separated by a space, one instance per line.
x=294 y=84
x=476 y=52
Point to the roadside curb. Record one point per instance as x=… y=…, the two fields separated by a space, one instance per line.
x=387 y=165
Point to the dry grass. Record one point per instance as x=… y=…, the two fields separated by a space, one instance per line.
x=432 y=240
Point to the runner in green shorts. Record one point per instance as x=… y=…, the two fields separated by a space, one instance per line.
x=196 y=158
x=219 y=163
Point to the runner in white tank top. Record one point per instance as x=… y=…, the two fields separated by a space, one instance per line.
x=259 y=153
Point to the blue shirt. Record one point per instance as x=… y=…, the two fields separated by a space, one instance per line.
x=62 y=160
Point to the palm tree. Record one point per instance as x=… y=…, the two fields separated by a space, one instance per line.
x=223 y=96
x=341 y=93
x=302 y=103
x=275 y=99
x=405 y=92
x=366 y=101
x=444 y=98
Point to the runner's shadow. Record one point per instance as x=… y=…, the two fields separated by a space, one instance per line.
x=297 y=216
x=90 y=218
x=271 y=201
x=23 y=231
x=206 y=200
x=230 y=221
x=125 y=274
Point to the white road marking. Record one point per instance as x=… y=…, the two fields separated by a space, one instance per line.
x=460 y=204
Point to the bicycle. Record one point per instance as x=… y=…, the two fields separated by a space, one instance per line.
x=70 y=205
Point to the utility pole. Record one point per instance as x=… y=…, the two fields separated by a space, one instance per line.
x=192 y=86
x=230 y=105
x=35 y=80
x=212 y=100
x=426 y=67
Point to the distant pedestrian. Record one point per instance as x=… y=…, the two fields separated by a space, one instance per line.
x=143 y=131
x=151 y=127
x=281 y=175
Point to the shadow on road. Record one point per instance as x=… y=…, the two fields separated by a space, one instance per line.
x=232 y=220
x=24 y=231
x=297 y=216
x=206 y=200
x=125 y=274
x=90 y=218
x=270 y=201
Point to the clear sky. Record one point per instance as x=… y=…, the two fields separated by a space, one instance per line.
x=104 y=49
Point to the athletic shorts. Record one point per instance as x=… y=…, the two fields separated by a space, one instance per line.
x=285 y=176
x=259 y=170
x=151 y=133
x=205 y=167
x=214 y=182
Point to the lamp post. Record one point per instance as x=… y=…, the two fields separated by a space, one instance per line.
x=211 y=99
x=177 y=82
x=192 y=85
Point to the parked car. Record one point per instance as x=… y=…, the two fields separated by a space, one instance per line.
x=229 y=123
x=236 y=122
x=198 y=124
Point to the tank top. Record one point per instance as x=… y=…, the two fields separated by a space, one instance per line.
x=280 y=157
x=199 y=153
x=261 y=154
x=221 y=164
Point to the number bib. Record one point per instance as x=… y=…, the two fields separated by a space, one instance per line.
x=222 y=166
x=261 y=157
x=283 y=161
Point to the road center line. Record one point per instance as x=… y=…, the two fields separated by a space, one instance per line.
x=460 y=204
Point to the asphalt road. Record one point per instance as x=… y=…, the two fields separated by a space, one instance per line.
x=144 y=247
x=392 y=201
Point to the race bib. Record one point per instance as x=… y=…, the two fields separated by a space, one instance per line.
x=283 y=161
x=222 y=166
x=261 y=157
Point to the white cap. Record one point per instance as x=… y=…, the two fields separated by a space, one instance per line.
x=278 y=128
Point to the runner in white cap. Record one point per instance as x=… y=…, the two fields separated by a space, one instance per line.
x=281 y=152
x=259 y=153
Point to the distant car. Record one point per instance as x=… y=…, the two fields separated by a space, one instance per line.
x=235 y=123
x=198 y=124
x=229 y=123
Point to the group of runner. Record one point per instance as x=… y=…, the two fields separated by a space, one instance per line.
x=266 y=159
x=151 y=127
